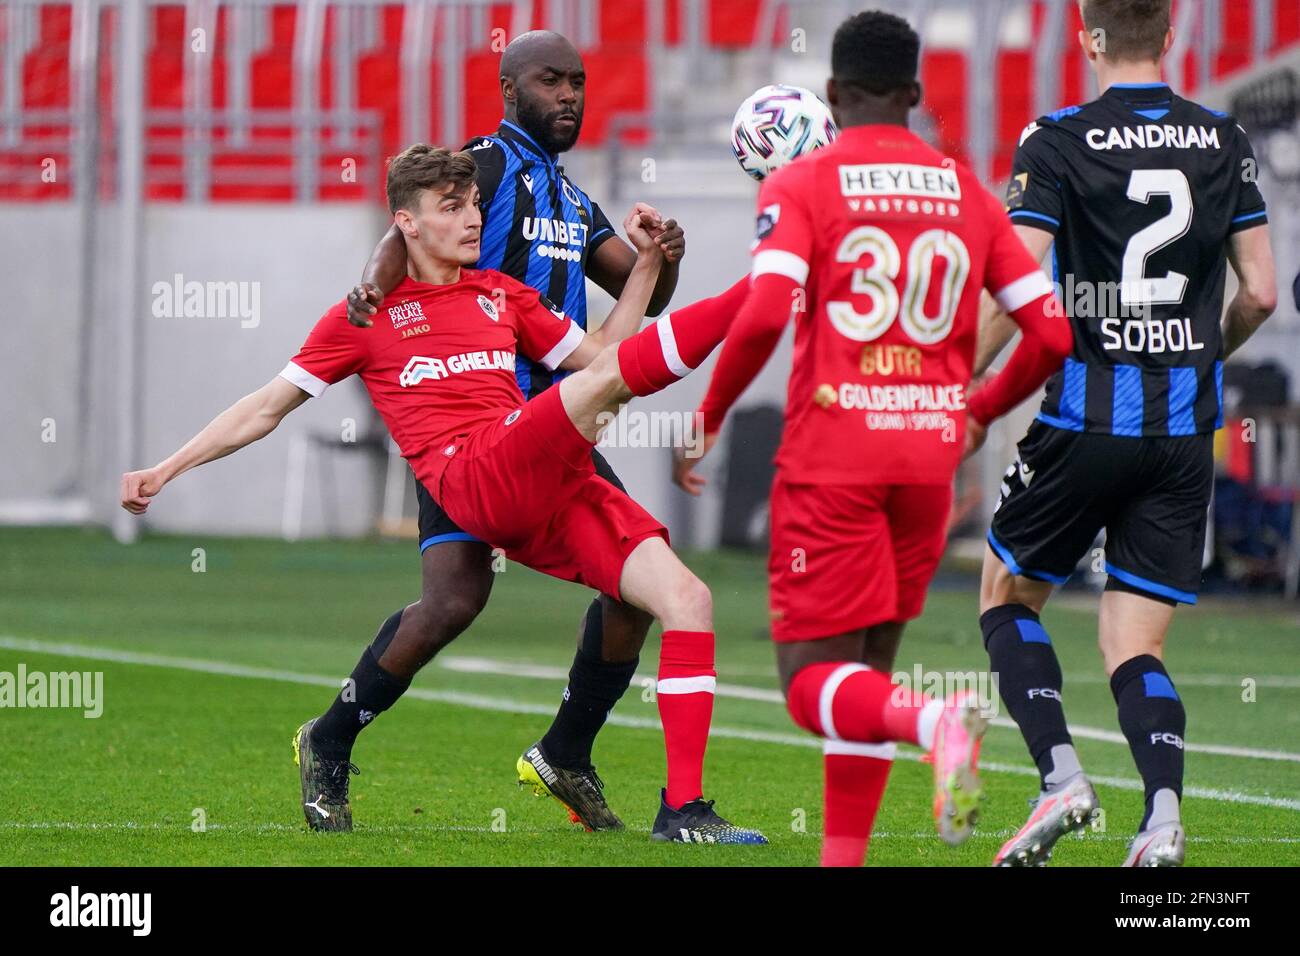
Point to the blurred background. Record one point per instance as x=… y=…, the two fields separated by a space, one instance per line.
x=146 y=146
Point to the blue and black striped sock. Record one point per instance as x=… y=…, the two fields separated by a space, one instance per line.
x=1152 y=717
x=1029 y=680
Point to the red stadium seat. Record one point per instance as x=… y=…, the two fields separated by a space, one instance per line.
x=943 y=77
x=617 y=65
x=624 y=22
x=1015 y=106
x=482 y=106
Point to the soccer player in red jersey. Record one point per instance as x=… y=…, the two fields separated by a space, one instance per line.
x=440 y=368
x=879 y=246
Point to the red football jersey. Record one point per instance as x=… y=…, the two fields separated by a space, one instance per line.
x=892 y=243
x=439 y=360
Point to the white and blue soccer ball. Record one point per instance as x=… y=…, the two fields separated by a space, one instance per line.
x=778 y=124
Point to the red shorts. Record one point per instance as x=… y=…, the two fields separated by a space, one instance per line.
x=526 y=484
x=845 y=557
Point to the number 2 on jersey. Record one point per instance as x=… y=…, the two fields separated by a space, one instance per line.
x=1135 y=288
x=877 y=283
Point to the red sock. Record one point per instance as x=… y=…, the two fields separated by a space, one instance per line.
x=856 y=775
x=675 y=345
x=860 y=711
x=846 y=701
x=685 y=695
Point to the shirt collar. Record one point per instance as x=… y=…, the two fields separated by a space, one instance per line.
x=875 y=133
x=509 y=130
x=1132 y=92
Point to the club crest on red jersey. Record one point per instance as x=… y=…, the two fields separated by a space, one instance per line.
x=488 y=307
x=767 y=220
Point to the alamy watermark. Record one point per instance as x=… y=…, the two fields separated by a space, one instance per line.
x=642 y=429
x=75 y=908
x=77 y=690
x=182 y=299
x=942 y=685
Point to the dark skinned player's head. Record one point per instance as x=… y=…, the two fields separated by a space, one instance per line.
x=874 y=59
x=544 y=84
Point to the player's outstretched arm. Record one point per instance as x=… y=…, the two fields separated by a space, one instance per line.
x=252 y=417
x=612 y=262
x=642 y=226
x=384 y=270
x=1251 y=255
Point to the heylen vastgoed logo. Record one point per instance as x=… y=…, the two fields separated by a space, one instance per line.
x=76 y=908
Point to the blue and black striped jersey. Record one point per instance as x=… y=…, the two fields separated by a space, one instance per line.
x=1141 y=189
x=538 y=227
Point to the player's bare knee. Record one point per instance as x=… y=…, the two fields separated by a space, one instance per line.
x=458 y=611
x=690 y=605
x=441 y=618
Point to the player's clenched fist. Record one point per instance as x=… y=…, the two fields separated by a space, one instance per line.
x=667 y=234
x=138 y=487
x=363 y=302
x=672 y=240
x=642 y=225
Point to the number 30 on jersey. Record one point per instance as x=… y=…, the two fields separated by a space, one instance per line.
x=877 y=283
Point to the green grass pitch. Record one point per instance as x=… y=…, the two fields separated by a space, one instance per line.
x=207 y=674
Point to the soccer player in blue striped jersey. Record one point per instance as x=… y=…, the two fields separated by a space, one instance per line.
x=1145 y=197
x=542 y=229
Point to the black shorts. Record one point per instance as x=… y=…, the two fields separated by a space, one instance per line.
x=436 y=526
x=1151 y=495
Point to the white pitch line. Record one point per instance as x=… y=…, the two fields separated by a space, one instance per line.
x=131 y=826
x=504 y=705
x=488 y=665
x=1270 y=681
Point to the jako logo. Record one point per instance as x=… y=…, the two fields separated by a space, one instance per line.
x=1164 y=737
x=103 y=909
